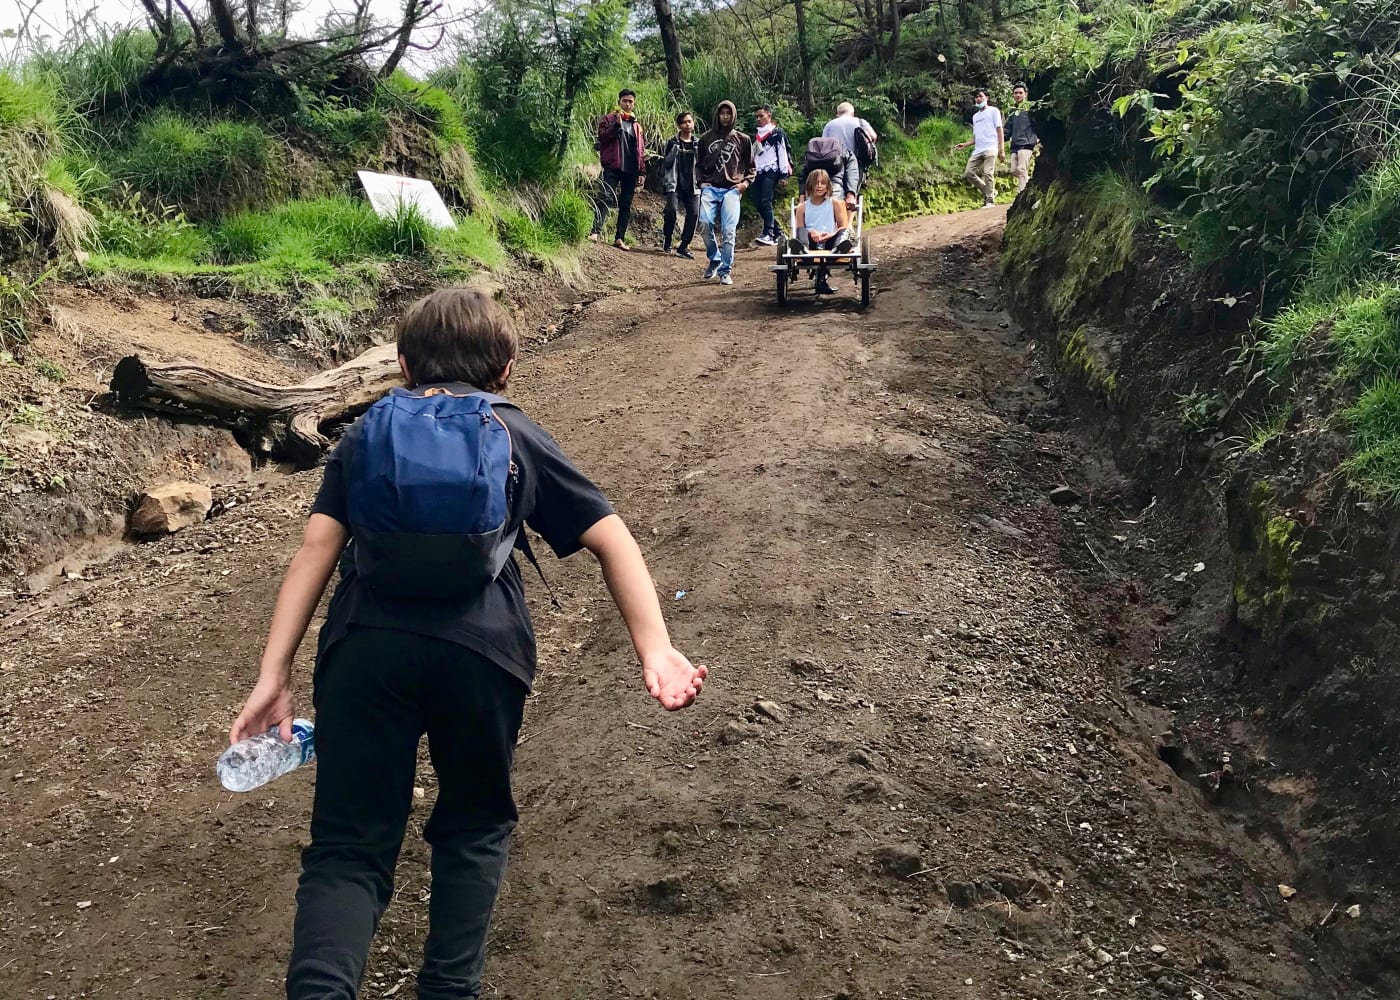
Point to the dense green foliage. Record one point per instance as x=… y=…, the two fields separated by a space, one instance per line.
x=1265 y=134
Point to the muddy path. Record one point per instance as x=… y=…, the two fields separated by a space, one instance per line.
x=913 y=773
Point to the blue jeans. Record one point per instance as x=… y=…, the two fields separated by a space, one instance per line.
x=719 y=206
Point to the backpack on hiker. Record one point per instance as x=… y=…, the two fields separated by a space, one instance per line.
x=429 y=488
x=867 y=152
x=824 y=154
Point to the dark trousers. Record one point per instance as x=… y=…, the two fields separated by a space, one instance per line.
x=377 y=692
x=675 y=203
x=765 y=186
x=618 y=190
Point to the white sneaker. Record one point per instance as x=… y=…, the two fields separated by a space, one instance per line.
x=725 y=279
x=766 y=241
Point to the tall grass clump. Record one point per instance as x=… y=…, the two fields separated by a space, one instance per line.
x=567 y=218
x=204 y=167
x=96 y=67
x=1360 y=240
x=333 y=231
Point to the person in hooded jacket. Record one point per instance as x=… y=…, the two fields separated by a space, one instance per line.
x=726 y=170
x=622 y=152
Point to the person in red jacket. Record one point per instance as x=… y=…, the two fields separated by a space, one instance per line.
x=622 y=152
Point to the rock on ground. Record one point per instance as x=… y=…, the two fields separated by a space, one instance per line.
x=169 y=508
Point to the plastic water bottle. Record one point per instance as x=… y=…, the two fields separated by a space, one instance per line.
x=258 y=759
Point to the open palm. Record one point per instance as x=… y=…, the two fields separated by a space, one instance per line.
x=671 y=679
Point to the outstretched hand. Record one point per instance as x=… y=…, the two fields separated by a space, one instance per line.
x=671 y=679
x=268 y=707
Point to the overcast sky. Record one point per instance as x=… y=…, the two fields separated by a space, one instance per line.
x=54 y=19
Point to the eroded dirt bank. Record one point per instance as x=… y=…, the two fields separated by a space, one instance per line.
x=945 y=793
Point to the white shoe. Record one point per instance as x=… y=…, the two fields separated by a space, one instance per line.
x=725 y=279
x=765 y=241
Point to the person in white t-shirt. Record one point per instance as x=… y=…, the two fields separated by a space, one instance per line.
x=988 y=146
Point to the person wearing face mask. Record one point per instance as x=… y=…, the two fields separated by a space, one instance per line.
x=988 y=146
x=622 y=152
x=1021 y=131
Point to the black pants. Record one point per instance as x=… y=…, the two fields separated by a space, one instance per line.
x=618 y=189
x=675 y=203
x=765 y=186
x=377 y=692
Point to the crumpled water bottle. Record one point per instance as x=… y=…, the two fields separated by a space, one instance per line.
x=258 y=759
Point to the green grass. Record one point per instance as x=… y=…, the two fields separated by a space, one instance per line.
x=95 y=66
x=1286 y=335
x=202 y=166
x=1367 y=333
x=317 y=243
x=1360 y=240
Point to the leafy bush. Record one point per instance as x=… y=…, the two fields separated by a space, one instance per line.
x=135 y=230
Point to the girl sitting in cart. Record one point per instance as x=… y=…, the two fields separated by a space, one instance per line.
x=822 y=224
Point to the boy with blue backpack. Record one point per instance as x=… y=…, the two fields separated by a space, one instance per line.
x=423 y=502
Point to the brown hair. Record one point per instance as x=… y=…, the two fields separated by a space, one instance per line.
x=813 y=177
x=457 y=335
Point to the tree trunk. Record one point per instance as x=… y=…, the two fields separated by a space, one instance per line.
x=896 y=23
x=278 y=421
x=804 y=56
x=671 y=45
x=996 y=11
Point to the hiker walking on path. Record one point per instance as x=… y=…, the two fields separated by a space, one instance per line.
x=1021 y=134
x=428 y=632
x=622 y=151
x=988 y=147
x=772 y=165
x=726 y=171
x=856 y=136
x=680 y=184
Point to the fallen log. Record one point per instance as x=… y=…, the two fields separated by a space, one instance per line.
x=279 y=421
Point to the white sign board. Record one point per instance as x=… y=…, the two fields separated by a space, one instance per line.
x=389 y=193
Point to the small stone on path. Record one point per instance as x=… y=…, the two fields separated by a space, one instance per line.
x=737 y=732
x=899 y=860
x=772 y=710
x=164 y=510
x=1063 y=496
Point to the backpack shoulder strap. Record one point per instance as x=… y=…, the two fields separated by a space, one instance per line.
x=522 y=542
x=522 y=538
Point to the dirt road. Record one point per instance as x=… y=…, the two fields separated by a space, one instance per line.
x=912 y=774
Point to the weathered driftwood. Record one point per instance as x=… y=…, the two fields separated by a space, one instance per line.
x=284 y=421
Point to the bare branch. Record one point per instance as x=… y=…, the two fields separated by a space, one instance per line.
x=413 y=13
x=194 y=23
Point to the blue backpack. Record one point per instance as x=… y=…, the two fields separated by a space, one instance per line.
x=429 y=489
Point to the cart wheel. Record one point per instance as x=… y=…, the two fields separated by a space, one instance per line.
x=864 y=289
x=782 y=287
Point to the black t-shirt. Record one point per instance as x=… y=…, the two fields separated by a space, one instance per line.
x=552 y=497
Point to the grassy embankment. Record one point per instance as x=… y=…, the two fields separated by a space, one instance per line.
x=1264 y=137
